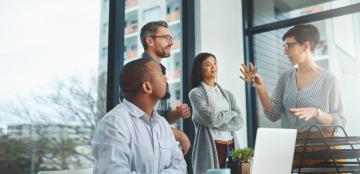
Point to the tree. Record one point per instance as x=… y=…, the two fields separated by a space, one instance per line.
x=70 y=103
x=14 y=156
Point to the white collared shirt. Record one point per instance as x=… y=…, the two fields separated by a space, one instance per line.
x=127 y=141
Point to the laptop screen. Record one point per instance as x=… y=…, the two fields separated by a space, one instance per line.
x=274 y=151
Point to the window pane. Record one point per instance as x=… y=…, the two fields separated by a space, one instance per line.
x=137 y=14
x=275 y=10
x=48 y=97
x=103 y=58
x=338 y=52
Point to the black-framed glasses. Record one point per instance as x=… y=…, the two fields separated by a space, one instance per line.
x=167 y=38
x=289 y=45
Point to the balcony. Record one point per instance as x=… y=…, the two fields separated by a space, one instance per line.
x=131 y=3
x=173 y=16
x=131 y=28
x=173 y=75
x=176 y=44
x=130 y=54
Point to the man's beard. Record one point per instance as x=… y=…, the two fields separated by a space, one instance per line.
x=167 y=93
x=162 y=54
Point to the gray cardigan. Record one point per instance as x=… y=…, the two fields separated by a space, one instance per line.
x=204 y=154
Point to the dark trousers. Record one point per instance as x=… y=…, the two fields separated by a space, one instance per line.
x=221 y=152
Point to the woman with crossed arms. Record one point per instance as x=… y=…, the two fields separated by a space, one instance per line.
x=216 y=116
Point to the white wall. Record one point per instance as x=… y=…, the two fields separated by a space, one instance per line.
x=218 y=30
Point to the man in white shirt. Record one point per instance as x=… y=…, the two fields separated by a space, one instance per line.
x=133 y=137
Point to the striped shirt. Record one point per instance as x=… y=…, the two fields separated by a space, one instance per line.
x=323 y=93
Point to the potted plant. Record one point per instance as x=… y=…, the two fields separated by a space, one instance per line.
x=239 y=160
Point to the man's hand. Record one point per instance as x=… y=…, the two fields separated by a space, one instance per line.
x=183 y=139
x=175 y=114
x=183 y=110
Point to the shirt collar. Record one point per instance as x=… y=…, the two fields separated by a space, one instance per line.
x=138 y=113
x=147 y=56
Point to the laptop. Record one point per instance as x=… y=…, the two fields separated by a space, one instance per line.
x=274 y=151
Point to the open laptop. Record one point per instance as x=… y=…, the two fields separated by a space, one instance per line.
x=274 y=151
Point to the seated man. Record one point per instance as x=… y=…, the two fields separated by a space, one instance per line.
x=133 y=137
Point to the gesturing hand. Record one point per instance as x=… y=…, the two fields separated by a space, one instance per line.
x=249 y=75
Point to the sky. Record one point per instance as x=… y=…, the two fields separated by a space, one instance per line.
x=42 y=40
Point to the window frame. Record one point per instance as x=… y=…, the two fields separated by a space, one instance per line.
x=250 y=31
x=116 y=58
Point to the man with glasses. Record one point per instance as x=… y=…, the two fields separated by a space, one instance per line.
x=157 y=42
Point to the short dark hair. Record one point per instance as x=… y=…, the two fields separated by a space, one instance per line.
x=133 y=75
x=196 y=77
x=150 y=29
x=303 y=33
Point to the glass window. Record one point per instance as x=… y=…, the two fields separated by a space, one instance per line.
x=104 y=53
x=49 y=65
x=105 y=28
x=143 y=11
x=275 y=10
x=338 y=52
x=103 y=58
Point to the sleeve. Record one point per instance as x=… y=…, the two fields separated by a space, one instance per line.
x=237 y=121
x=335 y=104
x=204 y=115
x=277 y=107
x=111 y=149
x=177 y=164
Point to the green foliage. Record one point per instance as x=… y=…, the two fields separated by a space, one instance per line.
x=14 y=156
x=243 y=154
x=50 y=154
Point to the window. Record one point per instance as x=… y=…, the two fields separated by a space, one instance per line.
x=105 y=28
x=106 y=5
x=49 y=61
x=104 y=52
x=143 y=11
x=275 y=10
x=337 y=51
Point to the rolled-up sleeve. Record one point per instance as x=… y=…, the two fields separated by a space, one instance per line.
x=335 y=104
x=277 y=108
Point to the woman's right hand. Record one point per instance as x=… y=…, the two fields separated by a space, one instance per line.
x=249 y=75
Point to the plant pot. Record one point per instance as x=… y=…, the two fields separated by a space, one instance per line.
x=235 y=166
x=245 y=168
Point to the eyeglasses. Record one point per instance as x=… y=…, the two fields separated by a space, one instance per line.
x=288 y=46
x=167 y=38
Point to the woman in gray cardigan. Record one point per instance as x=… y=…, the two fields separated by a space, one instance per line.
x=215 y=114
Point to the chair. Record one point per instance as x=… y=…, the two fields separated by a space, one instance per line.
x=77 y=171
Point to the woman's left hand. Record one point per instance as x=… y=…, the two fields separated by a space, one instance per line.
x=304 y=113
